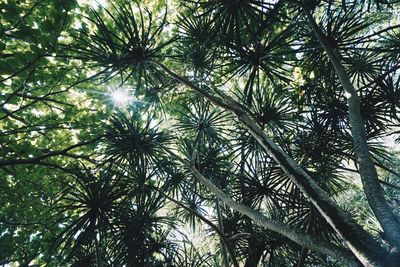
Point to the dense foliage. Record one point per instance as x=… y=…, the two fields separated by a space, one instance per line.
x=199 y=133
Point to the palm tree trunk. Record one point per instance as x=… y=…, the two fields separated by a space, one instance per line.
x=300 y=238
x=369 y=176
x=366 y=249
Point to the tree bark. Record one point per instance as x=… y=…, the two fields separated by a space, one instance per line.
x=369 y=176
x=364 y=247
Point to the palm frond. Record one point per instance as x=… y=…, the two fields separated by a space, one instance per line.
x=131 y=139
x=124 y=39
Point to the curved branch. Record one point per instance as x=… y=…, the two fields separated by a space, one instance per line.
x=300 y=238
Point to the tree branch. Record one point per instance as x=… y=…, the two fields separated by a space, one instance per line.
x=37 y=160
x=300 y=238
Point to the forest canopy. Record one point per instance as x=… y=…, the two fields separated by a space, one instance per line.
x=199 y=133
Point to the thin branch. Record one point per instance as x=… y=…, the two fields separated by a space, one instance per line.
x=36 y=160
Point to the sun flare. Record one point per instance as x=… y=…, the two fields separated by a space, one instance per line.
x=120 y=97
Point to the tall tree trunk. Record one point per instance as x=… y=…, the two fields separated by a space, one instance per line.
x=367 y=250
x=369 y=176
x=300 y=238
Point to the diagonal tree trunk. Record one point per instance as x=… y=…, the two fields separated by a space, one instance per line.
x=369 y=176
x=303 y=239
x=364 y=247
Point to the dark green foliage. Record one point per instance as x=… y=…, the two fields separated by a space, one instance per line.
x=130 y=139
x=196 y=47
x=203 y=122
x=231 y=17
x=93 y=201
x=124 y=47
